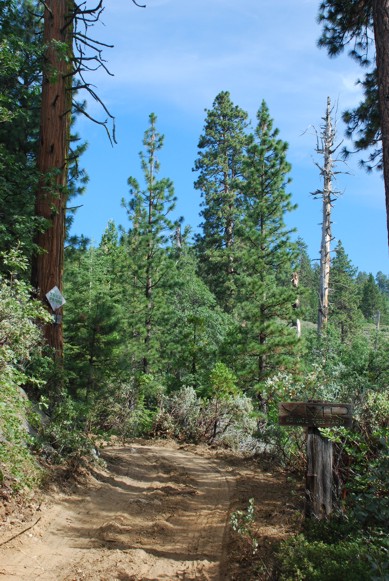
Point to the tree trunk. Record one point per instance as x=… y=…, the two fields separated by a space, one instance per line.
x=51 y=195
x=296 y=304
x=326 y=237
x=381 y=36
x=319 y=475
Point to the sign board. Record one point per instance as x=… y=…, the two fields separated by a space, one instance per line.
x=315 y=414
x=55 y=298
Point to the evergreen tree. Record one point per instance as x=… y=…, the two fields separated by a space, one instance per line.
x=20 y=74
x=344 y=298
x=371 y=299
x=94 y=329
x=266 y=342
x=309 y=283
x=194 y=325
x=220 y=167
x=383 y=282
x=151 y=229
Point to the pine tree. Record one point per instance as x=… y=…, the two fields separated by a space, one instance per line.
x=93 y=329
x=194 y=326
x=20 y=75
x=267 y=342
x=344 y=299
x=309 y=283
x=371 y=299
x=383 y=282
x=220 y=167
x=151 y=229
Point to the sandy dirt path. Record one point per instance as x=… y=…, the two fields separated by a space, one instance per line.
x=154 y=513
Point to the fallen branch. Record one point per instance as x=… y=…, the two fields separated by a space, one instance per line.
x=21 y=533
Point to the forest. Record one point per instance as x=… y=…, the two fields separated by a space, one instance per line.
x=194 y=333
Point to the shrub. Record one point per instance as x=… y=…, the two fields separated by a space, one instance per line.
x=242 y=523
x=126 y=408
x=302 y=560
x=20 y=339
x=228 y=421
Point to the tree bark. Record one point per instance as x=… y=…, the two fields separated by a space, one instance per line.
x=381 y=37
x=318 y=502
x=51 y=193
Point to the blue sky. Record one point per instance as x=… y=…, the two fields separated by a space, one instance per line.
x=173 y=57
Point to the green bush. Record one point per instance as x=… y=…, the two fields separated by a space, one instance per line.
x=126 y=408
x=302 y=560
x=18 y=466
x=20 y=340
x=228 y=421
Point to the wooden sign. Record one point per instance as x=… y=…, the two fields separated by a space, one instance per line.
x=315 y=414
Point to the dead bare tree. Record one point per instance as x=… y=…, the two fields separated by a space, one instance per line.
x=326 y=147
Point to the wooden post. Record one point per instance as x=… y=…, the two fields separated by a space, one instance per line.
x=312 y=415
x=318 y=493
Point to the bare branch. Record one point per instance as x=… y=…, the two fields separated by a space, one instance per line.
x=112 y=138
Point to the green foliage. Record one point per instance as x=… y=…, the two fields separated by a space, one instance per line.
x=308 y=283
x=151 y=228
x=242 y=523
x=127 y=408
x=93 y=318
x=222 y=382
x=65 y=432
x=266 y=341
x=18 y=466
x=340 y=547
x=20 y=62
x=370 y=496
x=220 y=181
x=371 y=298
x=344 y=304
x=349 y=24
x=20 y=340
x=353 y=544
x=303 y=560
x=194 y=325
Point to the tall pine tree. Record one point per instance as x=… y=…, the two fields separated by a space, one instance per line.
x=267 y=342
x=220 y=166
x=151 y=228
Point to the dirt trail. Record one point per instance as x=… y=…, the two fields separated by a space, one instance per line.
x=153 y=513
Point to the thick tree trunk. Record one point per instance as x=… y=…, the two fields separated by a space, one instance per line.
x=381 y=36
x=51 y=194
